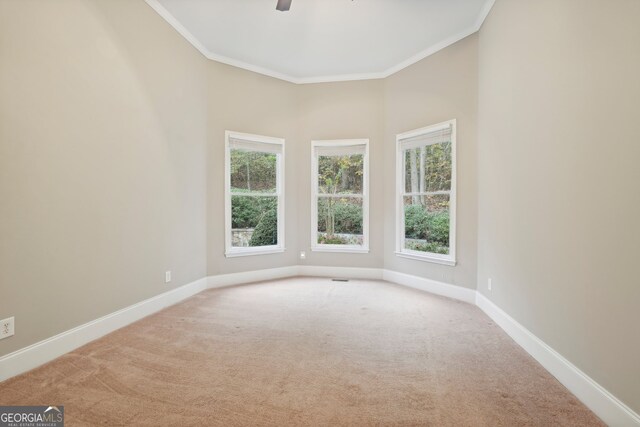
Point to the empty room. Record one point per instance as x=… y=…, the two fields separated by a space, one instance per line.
x=319 y=213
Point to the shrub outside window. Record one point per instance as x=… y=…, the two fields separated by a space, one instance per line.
x=254 y=194
x=426 y=193
x=340 y=195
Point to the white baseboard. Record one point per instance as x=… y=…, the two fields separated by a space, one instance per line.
x=341 y=272
x=605 y=405
x=432 y=286
x=46 y=350
x=243 y=277
x=416 y=282
x=611 y=410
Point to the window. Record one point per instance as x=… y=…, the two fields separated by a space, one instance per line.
x=254 y=194
x=340 y=196
x=426 y=193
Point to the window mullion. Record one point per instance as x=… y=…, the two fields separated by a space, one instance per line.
x=427 y=193
x=340 y=196
x=276 y=194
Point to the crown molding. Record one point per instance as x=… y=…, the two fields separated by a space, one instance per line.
x=171 y=20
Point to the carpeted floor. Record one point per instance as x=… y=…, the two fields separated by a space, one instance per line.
x=304 y=351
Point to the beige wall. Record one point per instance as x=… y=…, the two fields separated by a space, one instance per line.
x=112 y=158
x=112 y=153
x=247 y=102
x=439 y=88
x=346 y=110
x=558 y=178
x=102 y=161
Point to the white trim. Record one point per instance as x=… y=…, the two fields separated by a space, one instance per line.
x=235 y=252
x=433 y=286
x=425 y=130
x=419 y=256
x=171 y=20
x=254 y=138
x=48 y=349
x=340 y=142
x=230 y=250
x=243 y=277
x=340 y=272
x=486 y=9
x=435 y=48
x=37 y=354
x=348 y=249
x=344 y=143
x=605 y=405
x=609 y=408
x=450 y=258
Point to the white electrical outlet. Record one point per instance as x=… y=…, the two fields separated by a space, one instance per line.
x=303 y=255
x=7 y=327
x=167 y=277
x=489 y=284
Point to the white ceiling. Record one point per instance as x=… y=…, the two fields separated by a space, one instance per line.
x=323 y=40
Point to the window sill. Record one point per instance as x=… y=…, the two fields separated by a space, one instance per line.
x=426 y=258
x=340 y=249
x=250 y=252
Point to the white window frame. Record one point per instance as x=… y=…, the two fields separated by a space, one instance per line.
x=315 y=247
x=401 y=251
x=230 y=250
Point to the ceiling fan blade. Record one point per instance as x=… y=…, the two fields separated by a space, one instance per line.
x=283 y=5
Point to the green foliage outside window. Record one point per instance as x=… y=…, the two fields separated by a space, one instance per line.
x=428 y=172
x=340 y=175
x=266 y=232
x=254 y=172
x=428 y=168
x=424 y=225
x=347 y=217
x=429 y=230
x=246 y=211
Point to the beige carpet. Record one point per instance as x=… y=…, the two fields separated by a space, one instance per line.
x=304 y=352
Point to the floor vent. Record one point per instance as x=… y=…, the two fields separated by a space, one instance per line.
x=339 y=280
